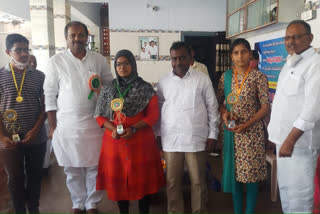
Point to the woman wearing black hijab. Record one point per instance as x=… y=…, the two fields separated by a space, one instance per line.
x=129 y=166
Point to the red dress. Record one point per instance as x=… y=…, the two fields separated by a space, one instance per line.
x=130 y=169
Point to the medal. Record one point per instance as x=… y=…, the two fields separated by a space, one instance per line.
x=233 y=98
x=11 y=116
x=117 y=104
x=19 y=98
x=94 y=85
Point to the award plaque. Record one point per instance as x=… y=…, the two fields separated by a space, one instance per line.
x=119 y=129
x=12 y=127
x=232 y=99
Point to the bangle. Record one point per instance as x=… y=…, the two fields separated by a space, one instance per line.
x=133 y=129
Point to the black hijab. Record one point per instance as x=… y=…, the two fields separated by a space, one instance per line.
x=135 y=100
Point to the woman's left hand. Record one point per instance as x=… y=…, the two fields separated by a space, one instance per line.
x=127 y=133
x=240 y=128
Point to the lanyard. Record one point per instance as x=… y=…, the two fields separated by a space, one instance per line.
x=236 y=80
x=15 y=81
x=125 y=92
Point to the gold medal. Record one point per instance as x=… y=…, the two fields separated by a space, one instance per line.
x=117 y=104
x=232 y=98
x=19 y=99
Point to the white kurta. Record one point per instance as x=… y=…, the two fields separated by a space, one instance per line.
x=77 y=138
x=189 y=112
x=296 y=104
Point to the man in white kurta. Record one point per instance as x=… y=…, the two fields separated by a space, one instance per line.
x=76 y=137
x=188 y=127
x=295 y=120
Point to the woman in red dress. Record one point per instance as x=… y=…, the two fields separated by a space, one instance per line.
x=129 y=166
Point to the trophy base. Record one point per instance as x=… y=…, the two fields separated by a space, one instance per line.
x=231 y=124
x=16 y=138
x=120 y=129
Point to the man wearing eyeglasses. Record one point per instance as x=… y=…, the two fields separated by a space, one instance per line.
x=22 y=133
x=70 y=103
x=295 y=120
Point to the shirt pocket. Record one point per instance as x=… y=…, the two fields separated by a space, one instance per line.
x=189 y=98
x=293 y=85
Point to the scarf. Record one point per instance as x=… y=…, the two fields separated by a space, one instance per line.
x=135 y=100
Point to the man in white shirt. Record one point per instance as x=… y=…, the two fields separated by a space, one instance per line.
x=76 y=137
x=152 y=50
x=188 y=127
x=198 y=65
x=294 y=125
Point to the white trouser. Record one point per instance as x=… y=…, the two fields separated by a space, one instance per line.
x=81 y=182
x=296 y=180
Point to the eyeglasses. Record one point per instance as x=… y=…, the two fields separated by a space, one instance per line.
x=124 y=64
x=294 y=37
x=20 y=50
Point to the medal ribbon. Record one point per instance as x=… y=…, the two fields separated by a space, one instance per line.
x=236 y=80
x=15 y=81
x=125 y=92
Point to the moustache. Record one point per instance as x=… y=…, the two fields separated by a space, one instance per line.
x=77 y=42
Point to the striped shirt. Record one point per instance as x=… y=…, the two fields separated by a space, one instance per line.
x=29 y=109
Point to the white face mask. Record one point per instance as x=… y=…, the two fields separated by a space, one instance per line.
x=18 y=65
x=293 y=59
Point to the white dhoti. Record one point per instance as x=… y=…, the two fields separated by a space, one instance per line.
x=296 y=180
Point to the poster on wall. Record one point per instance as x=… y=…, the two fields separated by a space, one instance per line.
x=273 y=56
x=148 y=46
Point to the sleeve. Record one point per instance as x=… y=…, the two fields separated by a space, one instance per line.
x=263 y=89
x=100 y=120
x=205 y=70
x=220 y=91
x=51 y=86
x=160 y=103
x=212 y=109
x=152 y=112
x=42 y=77
x=106 y=74
x=310 y=113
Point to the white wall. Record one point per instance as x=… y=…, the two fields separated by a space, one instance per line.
x=182 y=15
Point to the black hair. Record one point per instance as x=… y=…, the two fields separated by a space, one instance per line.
x=15 y=38
x=255 y=55
x=303 y=23
x=240 y=41
x=73 y=23
x=178 y=45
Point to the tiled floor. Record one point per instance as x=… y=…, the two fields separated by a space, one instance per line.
x=55 y=197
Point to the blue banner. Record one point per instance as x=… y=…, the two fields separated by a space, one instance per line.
x=273 y=56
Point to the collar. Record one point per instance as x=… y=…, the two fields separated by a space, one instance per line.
x=195 y=64
x=307 y=53
x=84 y=58
x=7 y=68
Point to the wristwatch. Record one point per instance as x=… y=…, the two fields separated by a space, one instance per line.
x=133 y=129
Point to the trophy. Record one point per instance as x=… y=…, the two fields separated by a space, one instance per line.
x=117 y=106
x=12 y=127
x=232 y=99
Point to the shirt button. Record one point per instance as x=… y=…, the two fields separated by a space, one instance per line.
x=127 y=158
x=126 y=144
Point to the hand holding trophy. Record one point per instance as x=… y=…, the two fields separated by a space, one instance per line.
x=12 y=127
x=232 y=99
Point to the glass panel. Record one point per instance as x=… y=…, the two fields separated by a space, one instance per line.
x=236 y=23
x=261 y=12
x=233 y=5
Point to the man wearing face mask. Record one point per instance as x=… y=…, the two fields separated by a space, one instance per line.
x=70 y=103
x=22 y=134
x=295 y=120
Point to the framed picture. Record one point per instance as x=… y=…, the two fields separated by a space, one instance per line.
x=149 y=47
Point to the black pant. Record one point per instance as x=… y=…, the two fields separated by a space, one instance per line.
x=20 y=162
x=143 y=205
